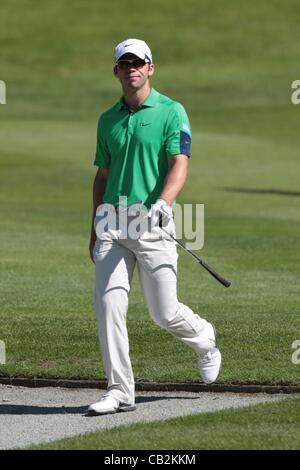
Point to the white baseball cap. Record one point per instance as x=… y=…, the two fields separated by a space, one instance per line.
x=134 y=46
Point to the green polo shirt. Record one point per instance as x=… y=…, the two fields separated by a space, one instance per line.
x=135 y=145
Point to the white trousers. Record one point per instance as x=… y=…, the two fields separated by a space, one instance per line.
x=156 y=257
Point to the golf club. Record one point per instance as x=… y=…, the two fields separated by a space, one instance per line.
x=216 y=275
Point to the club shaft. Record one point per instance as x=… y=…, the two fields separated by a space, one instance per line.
x=208 y=268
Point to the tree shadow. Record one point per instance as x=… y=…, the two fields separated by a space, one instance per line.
x=277 y=192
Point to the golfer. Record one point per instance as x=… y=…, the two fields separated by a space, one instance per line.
x=142 y=155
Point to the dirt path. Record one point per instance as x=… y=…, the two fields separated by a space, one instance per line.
x=37 y=415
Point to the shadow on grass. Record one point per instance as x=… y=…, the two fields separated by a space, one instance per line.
x=277 y=192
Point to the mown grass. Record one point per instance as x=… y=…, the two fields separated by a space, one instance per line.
x=232 y=69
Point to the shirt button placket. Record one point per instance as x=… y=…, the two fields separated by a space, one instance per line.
x=130 y=123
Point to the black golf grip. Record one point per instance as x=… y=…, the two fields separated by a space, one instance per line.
x=215 y=274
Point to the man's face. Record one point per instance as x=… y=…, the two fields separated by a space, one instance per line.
x=133 y=75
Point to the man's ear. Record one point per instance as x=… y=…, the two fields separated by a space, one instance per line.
x=115 y=70
x=151 y=69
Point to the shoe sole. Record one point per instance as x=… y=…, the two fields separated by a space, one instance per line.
x=121 y=409
x=216 y=346
x=210 y=383
x=215 y=332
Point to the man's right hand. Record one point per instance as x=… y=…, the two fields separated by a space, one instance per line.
x=91 y=246
x=98 y=191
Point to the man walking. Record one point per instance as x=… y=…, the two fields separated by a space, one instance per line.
x=143 y=149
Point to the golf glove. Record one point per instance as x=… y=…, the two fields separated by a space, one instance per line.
x=160 y=211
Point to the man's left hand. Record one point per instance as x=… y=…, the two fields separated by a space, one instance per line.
x=160 y=209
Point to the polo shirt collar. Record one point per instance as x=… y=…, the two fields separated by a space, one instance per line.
x=151 y=99
x=149 y=102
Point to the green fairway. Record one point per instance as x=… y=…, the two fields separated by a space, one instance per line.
x=265 y=426
x=232 y=68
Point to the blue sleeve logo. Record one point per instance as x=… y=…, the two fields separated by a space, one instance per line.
x=185 y=143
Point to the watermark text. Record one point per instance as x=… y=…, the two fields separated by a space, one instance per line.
x=2 y=92
x=136 y=221
x=295 y=98
x=2 y=352
x=296 y=354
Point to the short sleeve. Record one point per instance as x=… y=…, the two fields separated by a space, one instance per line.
x=102 y=158
x=178 y=131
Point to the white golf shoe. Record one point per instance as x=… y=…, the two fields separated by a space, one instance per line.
x=108 y=405
x=210 y=363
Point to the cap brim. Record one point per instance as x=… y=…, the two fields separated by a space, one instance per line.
x=140 y=55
